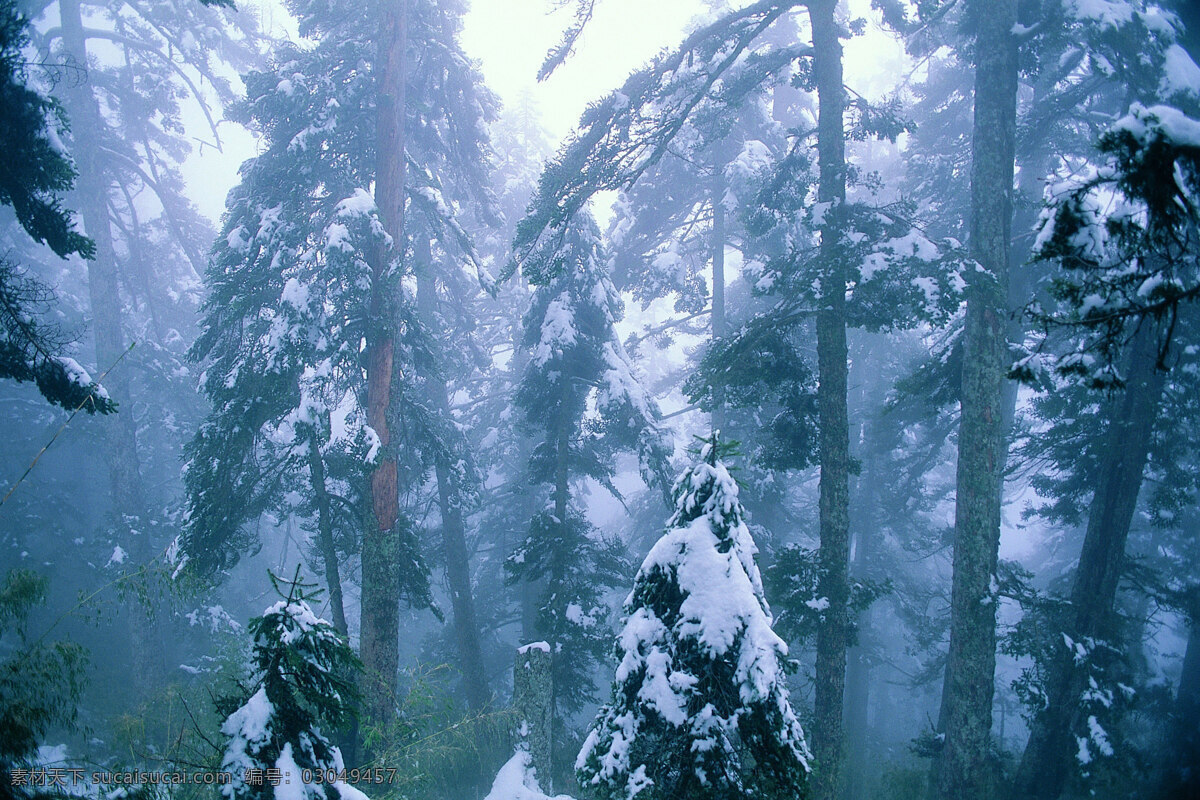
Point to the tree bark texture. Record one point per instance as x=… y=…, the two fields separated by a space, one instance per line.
x=533 y=700
x=964 y=768
x=867 y=524
x=858 y=671
x=834 y=500
x=1046 y=764
x=379 y=624
x=450 y=503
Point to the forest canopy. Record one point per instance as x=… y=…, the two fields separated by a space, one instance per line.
x=598 y=400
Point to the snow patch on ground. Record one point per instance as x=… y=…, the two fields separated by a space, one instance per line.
x=517 y=780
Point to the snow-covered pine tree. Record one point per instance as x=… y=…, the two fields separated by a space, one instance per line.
x=700 y=705
x=576 y=359
x=290 y=287
x=297 y=687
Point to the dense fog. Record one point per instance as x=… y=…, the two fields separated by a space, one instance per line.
x=598 y=400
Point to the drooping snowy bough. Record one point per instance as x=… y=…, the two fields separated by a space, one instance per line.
x=700 y=705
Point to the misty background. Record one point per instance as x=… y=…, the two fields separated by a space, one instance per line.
x=419 y=314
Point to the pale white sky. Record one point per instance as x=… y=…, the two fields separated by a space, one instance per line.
x=511 y=37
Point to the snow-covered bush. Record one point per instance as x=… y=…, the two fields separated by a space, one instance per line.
x=700 y=705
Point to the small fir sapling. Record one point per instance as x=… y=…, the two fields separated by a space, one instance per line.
x=700 y=705
x=299 y=686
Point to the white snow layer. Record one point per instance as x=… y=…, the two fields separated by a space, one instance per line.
x=1166 y=121
x=558 y=330
x=1108 y=13
x=517 y=780
x=1180 y=73
x=248 y=729
x=79 y=376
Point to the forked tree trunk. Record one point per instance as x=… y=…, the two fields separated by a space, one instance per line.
x=964 y=767
x=834 y=501
x=380 y=611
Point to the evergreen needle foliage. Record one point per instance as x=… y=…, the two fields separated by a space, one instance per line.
x=700 y=707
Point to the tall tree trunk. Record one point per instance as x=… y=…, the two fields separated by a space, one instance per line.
x=450 y=503
x=859 y=759
x=858 y=697
x=333 y=576
x=120 y=430
x=858 y=669
x=379 y=624
x=964 y=768
x=1045 y=765
x=834 y=501
x=717 y=246
x=1187 y=699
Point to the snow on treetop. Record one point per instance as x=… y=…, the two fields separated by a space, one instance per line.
x=525 y=648
x=723 y=603
x=701 y=669
x=709 y=490
x=298 y=619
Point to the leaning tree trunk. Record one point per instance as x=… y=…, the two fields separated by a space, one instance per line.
x=120 y=430
x=379 y=624
x=1045 y=765
x=834 y=500
x=964 y=767
x=450 y=502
